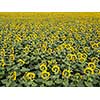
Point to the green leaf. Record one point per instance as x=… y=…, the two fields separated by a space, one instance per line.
x=80 y=84
x=24 y=69
x=2 y=73
x=42 y=85
x=58 y=81
x=49 y=83
x=34 y=84
x=8 y=83
x=65 y=82
x=88 y=84
x=4 y=81
x=13 y=84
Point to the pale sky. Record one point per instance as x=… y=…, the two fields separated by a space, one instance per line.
x=49 y=5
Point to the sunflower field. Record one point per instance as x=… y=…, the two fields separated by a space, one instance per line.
x=49 y=49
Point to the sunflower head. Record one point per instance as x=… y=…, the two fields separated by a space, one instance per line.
x=49 y=50
x=30 y=75
x=66 y=73
x=12 y=75
x=98 y=44
x=74 y=57
x=12 y=50
x=92 y=65
x=50 y=62
x=94 y=59
x=81 y=60
x=69 y=56
x=78 y=75
x=12 y=57
x=84 y=55
x=2 y=52
x=88 y=70
x=79 y=54
x=43 y=67
x=45 y=75
x=56 y=69
x=3 y=62
x=98 y=51
x=86 y=49
x=94 y=45
x=21 y=61
x=99 y=72
x=68 y=46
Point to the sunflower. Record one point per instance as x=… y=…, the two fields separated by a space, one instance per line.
x=99 y=72
x=64 y=45
x=60 y=48
x=92 y=42
x=78 y=75
x=94 y=59
x=63 y=37
x=79 y=54
x=30 y=75
x=92 y=65
x=26 y=49
x=50 y=62
x=35 y=36
x=45 y=75
x=98 y=44
x=18 y=38
x=74 y=57
x=3 y=52
x=94 y=45
x=44 y=48
x=86 y=49
x=12 y=50
x=14 y=75
x=81 y=60
x=43 y=67
x=68 y=46
x=56 y=69
x=98 y=51
x=83 y=42
x=84 y=55
x=71 y=49
x=69 y=56
x=12 y=57
x=49 y=50
x=66 y=73
x=3 y=62
x=21 y=61
x=88 y=70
